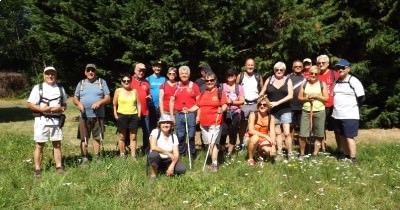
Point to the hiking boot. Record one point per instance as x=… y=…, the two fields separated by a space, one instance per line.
x=60 y=170
x=251 y=162
x=37 y=173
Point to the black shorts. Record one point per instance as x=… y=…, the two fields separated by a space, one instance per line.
x=329 y=121
x=296 y=117
x=125 y=121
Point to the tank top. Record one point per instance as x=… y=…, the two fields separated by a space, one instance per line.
x=250 y=86
x=127 y=103
x=261 y=125
x=276 y=94
x=313 y=89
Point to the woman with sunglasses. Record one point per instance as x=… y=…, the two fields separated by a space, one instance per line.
x=313 y=94
x=211 y=103
x=167 y=89
x=279 y=89
x=127 y=109
x=261 y=132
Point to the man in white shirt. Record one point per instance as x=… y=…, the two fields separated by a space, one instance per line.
x=48 y=101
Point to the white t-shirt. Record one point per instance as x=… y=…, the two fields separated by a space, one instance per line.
x=250 y=86
x=163 y=143
x=345 y=98
x=49 y=92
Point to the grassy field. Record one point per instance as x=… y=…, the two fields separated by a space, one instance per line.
x=113 y=183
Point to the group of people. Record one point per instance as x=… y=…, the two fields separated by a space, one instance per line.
x=263 y=114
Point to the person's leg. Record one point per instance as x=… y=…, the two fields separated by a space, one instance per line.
x=216 y=143
x=233 y=132
x=83 y=134
x=154 y=160
x=121 y=141
x=252 y=146
x=302 y=144
x=145 y=123
x=318 y=130
x=133 y=144
x=57 y=153
x=278 y=133
x=317 y=145
x=38 y=155
x=288 y=138
x=243 y=123
x=191 y=118
x=180 y=168
x=180 y=129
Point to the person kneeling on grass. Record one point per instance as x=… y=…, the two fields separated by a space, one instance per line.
x=164 y=152
x=261 y=141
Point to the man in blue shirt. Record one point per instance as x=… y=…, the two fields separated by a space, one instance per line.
x=91 y=94
x=155 y=80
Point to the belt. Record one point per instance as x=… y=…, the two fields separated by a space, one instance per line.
x=250 y=102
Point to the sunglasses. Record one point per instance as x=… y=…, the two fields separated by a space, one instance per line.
x=91 y=70
x=209 y=80
x=337 y=68
x=298 y=66
x=171 y=73
x=279 y=70
x=126 y=80
x=263 y=105
x=142 y=70
x=321 y=63
x=313 y=74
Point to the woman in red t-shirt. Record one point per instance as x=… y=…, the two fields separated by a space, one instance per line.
x=261 y=132
x=167 y=90
x=211 y=104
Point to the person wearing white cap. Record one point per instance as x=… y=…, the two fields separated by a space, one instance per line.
x=91 y=94
x=164 y=152
x=307 y=63
x=48 y=101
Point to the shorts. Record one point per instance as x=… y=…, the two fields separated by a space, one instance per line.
x=330 y=121
x=346 y=127
x=125 y=121
x=46 y=129
x=93 y=127
x=296 y=117
x=211 y=134
x=284 y=118
x=318 y=124
x=246 y=109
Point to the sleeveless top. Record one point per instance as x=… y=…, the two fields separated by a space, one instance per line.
x=261 y=125
x=313 y=89
x=250 y=86
x=127 y=104
x=276 y=94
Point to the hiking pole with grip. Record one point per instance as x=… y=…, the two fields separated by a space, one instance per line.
x=187 y=138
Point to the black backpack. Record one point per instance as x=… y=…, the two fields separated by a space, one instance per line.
x=256 y=75
x=48 y=100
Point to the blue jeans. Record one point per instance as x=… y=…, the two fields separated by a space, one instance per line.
x=145 y=124
x=181 y=132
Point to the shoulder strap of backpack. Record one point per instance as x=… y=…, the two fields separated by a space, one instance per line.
x=237 y=89
x=82 y=84
x=322 y=86
x=241 y=77
x=333 y=76
x=305 y=84
x=40 y=91
x=100 y=83
x=61 y=94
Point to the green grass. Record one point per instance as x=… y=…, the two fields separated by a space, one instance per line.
x=112 y=183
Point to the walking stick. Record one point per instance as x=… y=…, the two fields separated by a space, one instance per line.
x=100 y=122
x=311 y=126
x=187 y=140
x=209 y=145
x=83 y=130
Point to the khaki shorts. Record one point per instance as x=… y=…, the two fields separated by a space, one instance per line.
x=318 y=124
x=93 y=127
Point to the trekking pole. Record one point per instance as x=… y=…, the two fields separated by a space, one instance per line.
x=209 y=145
x=83 y=130
x=311 y=126
x=100 y=123
x=187 y=140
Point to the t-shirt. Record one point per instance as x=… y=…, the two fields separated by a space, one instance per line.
x=250 y=86
x=155 y=83
x=208 y=104
x=185 y=96
x=90 y=93
x=345 y=106
x=165 y=144
x=49 y=92
x=127 y=101
x=169 y=91
x=330 y=82
x=143 y=90
x=231 y=94
x=297 y=80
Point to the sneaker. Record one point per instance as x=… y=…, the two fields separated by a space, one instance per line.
x=290 y=156
x=37 y=173
x=301 y=158
x=314 y=159
x=84 y=161
x=214 y=168
x=60 y=170
x=354 y=161
x=251 y=162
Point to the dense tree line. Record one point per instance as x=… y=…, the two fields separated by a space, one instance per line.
x=114 y=34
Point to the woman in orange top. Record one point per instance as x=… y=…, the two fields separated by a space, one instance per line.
x=260 y=123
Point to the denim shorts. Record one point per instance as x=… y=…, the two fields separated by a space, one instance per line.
x=284 y=118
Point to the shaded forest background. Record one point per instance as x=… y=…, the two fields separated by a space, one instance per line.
x=114 y=34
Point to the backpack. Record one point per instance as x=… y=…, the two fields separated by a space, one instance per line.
x=177 y=86
x=219 y=92
x=98 y=81
x=236 y=88
x=320 y=84
x=256 y=75
x=159 y=133
x=46 y=100
x=348 y=82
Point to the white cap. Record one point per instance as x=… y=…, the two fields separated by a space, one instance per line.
x=307 y=60
x=49 y=68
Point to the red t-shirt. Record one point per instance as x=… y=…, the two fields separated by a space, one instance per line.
x=185 y=95
x=330 y=82
x=143 y=89
x=168 y=92
x=208 y=103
